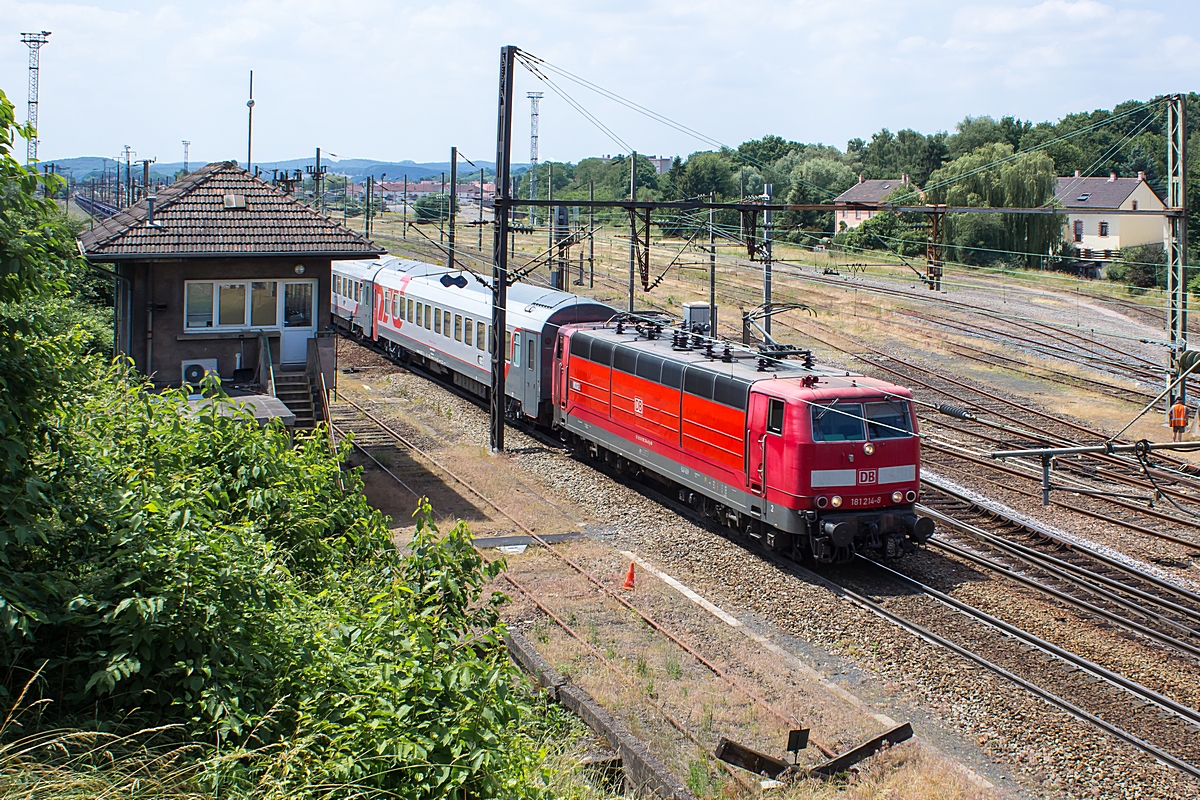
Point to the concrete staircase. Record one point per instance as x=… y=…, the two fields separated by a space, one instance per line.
x=295 y=390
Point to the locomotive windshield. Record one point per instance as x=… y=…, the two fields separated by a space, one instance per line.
x=888 y=420
x=838 y=422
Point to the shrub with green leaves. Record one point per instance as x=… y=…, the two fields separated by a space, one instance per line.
x=169 y=565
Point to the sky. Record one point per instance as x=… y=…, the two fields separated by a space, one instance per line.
x=393 y=80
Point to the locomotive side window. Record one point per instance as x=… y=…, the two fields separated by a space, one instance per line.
x=731 y=392
x=888 y=420
x=775 y=417
x=649 y=367
x=672 y=374
x=625 y=360
x=698 y=382
x=838 y=422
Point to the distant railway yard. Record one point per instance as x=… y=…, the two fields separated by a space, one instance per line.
x=1035 y=650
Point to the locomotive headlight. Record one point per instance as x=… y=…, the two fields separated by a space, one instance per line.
x=869 y=449
x=897 y=497
x=836 y=502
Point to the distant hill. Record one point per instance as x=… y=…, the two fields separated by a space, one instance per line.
x=84 y=167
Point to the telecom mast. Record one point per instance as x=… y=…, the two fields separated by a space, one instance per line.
x=186 y=145
x=534 y=100
x=35 y=42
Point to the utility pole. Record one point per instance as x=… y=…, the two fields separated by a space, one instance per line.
x=318 y=173
x=591 y=235
x=500 y=245
x=768 y=235
x=441 y=219
x=1176 y=239
x=632 y=225
x=481 y=210
x=186 y=145
x=551 y=233
x=404 y=229
x=712 y=268
x=250 y=123
x=933 y=260
x=35 y=42
x=453 y=193
x=535 y=99
x=368 y=194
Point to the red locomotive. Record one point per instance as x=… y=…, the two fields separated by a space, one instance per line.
x=817 y=464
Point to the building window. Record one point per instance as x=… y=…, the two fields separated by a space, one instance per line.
x=249 y=304
x=1078 y=230
x=1134 y=208
x=199 y=305
x=264 y=304
x=858 y=215
x=231 y=304
x=1103 y=228
x=297 y=305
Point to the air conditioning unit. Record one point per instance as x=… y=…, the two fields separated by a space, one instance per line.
x=195 y=370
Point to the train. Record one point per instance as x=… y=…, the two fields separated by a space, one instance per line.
x=814 y=463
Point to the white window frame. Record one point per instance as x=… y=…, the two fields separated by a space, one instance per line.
x=249 y=283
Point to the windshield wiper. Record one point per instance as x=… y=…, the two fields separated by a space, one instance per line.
x=825 y=409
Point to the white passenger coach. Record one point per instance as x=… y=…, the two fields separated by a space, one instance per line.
x=420 y=313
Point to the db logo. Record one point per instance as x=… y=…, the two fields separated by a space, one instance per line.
x=867 y=476
x=638 y=406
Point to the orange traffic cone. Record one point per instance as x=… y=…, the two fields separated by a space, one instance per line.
x=629 y=578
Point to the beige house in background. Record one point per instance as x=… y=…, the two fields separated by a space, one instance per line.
x=1096 y=224
x=866 y=196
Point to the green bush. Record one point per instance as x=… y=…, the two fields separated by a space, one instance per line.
x=191 y=575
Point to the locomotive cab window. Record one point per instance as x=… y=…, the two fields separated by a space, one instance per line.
x=838 y=422
x=888 y=420
x=775 y=417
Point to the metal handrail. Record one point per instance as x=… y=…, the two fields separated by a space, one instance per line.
x=264 y=358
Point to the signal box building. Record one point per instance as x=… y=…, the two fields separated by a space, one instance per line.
x=221 y=271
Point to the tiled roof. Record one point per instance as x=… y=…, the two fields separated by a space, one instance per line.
x=1101 y=193
x=872 y=191
x=222 y=210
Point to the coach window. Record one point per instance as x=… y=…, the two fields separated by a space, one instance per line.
x=420 y=314
x=410 y=310
x=516 y=350
x=446 y=323
x=481 y=337
x=397 y=306
x=468 y=330
x=888 y=420
x=838 y=422
x=458 y=327
x=775 y=417
x=437 y=320
x=508 y=344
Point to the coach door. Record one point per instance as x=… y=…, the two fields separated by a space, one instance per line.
x=532 y=359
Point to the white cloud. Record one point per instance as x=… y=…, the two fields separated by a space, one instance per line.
x=395 y=79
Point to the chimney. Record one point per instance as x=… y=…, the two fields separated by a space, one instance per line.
x=1078 y=174
x=1112 y=177
x=904 y=177
x=150 y=209
x=1141 y=176
x=860 y=178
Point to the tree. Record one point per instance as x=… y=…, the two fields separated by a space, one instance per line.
x=706 y=173
x=993 y=176
x=765 y=151
x=433 y=208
